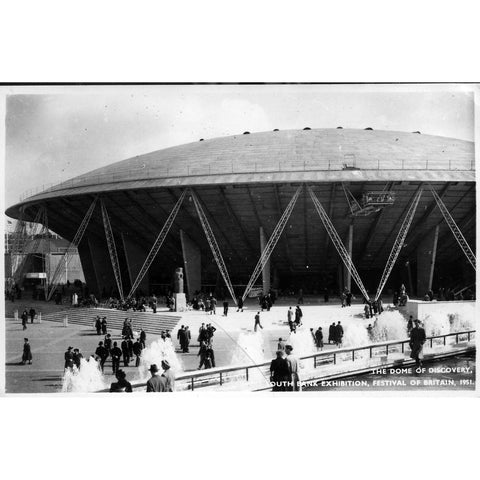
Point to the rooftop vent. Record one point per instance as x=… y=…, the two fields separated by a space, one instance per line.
x=307 y=128
x=417 y=132
x=201 y=140
x=246 y=133
x=368 y=128
x=339 y=128
x=275 y=130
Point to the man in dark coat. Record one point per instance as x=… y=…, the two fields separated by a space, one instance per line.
x=116 y=354
x=27 y=352
x=331 y=333
x=225 y=308
x=338 y=334
x=157 y=383
x=69 y=358
x=257 y=322
x=137 y=350
x=143 y=338
x=77 y=357
x=98 y=325
x=239 y=304
x=32 y=314
x=24 y=319
x=121 y=385
x=417 y=339
x=188 y=337
x=102 y=353
x=104 y=325
x=125 y=352
x=108 y=342
x=279 y=373
x=319 y=338
x=298 y=315
x=181 y=337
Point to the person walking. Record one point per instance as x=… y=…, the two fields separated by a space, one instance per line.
x=281 y=344
x=68 y=356
x=121 y=385
x=225 y=308
x=240 y=304
x=143 y=338
x=319 y=338
x=32 y=314
x=137 y=350
x=168 y=374
x=98 y=325
x=202 y=352
x=293 y=370
x=27 y=352
x=24 y=319
x=104 y=325
x=188 y=337
x=298 y=316
x=108 y=341
x=331 y=333
x=181 y=338
x=257 y=322
x=339 y=334
x=101 y=353
x=156 y=383
x=125 y=352
x=210 y=355
x=417 y=339
x=116 y=354
x=279 y=373
x=77 y=358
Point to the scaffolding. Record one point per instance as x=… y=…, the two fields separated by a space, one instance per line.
x=156 y=245
x=112 y=249
x=455 y=230
x=272 y=242
x=337 y=242
x=217 y=254
x=398 y=244
x=71 y=250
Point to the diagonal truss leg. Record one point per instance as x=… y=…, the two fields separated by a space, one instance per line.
x=112 y=249
x=337 y=242
x=455 y=230
x=398 y=244
x=217 y=254
x=156 y=245
x=72 y=249
x=272 y=242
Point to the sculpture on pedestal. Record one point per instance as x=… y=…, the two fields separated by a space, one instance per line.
x=178 y=280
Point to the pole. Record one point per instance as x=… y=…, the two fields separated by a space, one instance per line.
x=434 y=254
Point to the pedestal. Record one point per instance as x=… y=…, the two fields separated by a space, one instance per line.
x=180 y=302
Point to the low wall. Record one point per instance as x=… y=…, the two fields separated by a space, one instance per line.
x=420 y=309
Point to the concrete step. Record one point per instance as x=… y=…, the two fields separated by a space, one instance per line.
x=150 y=322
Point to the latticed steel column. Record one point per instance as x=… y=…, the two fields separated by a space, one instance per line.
x=398 y=244
x=72 y=249
x=30 y=246
x=337 y=242
x=455 y=230
x=112 y=249
x=272 y=242
x=217 y=254
x=156 y=245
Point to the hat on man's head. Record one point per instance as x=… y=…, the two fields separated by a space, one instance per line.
x=165 y=364
x=288 y=347
x=417 y=320
x=69 y=348
x=153 y=368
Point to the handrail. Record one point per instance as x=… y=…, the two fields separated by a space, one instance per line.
x=232 y=368
x=232 y=167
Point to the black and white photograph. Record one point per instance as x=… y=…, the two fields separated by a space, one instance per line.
x=275 y=239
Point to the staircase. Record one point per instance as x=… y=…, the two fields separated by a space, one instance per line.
x=152 y=323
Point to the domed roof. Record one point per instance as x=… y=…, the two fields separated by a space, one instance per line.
x=278 y=156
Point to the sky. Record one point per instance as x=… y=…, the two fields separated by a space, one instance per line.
x=56 y=133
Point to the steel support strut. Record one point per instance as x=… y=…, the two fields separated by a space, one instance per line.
x=272 y=242
x=156 y=245
x=72 y=249
x=398 y=244
x=455 y=230
x=213 y=245
x=112 y=249
x=19 y=239
x=337 y=242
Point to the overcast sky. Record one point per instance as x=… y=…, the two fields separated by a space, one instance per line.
x=55 y=136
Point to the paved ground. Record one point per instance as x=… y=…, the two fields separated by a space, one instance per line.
x=49 y=340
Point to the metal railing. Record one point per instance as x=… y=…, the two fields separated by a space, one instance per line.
x=222 y=375
x=176 y=169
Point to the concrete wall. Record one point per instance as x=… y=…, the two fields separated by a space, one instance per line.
x=192 y=262
x=419 y=309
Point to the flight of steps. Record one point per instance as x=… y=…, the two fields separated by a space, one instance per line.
x=152 y=323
